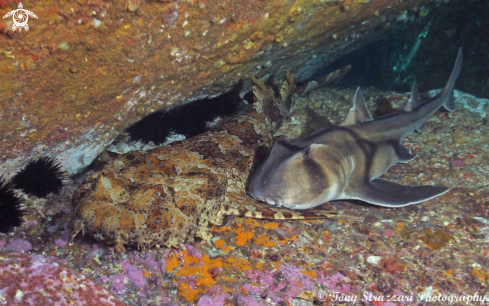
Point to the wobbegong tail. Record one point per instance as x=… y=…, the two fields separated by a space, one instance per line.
x=244 y=206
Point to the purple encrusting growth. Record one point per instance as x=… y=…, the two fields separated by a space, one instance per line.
x=135 y=274
x=336 y=283
x=38 y=280
x=207 y=301
x=52 y=229
x=18 y=245
x=63 y=240
x=248 y=301
x=288 y=282
x=117 y=282
x=213 y=297
x=302 y=281
x=148 y=261
x=132 y=272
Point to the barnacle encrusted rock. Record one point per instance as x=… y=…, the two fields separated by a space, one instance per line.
x=29 y=280
x=80 y=74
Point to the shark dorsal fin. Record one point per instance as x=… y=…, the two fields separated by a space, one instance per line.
x=413 y=101
x=359 y=112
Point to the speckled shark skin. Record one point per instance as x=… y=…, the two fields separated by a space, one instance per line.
x=169 y=195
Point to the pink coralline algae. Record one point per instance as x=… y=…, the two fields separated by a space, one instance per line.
x=336 y=283
x=248 y=301
x=214 y=297
x=38 y=280
x=135 y=275
x=117 y=282
x=18 y=245
x=458 y=162
x=288 y=282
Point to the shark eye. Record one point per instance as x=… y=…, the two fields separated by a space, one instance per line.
x=306 y=155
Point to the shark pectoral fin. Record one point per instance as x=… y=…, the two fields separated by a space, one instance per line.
x=404 y=155
x=359 y=112
x=384 y=193
x=420 y=127
x=244 y=206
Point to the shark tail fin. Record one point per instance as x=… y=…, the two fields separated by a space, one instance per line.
x=449 y=103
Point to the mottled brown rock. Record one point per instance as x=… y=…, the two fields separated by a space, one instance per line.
x=71 y=83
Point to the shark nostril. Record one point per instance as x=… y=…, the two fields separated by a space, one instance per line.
x=273 y=200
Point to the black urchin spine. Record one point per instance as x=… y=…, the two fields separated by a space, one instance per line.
x=189 y=120
x=40 y=177
x=11 y=212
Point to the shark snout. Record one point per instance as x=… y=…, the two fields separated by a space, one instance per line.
x=269 y=199
x=273 y=200
x=264 y=196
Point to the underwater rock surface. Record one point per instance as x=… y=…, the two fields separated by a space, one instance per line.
x=438 y=247
x=39 y=280
x=84 y=72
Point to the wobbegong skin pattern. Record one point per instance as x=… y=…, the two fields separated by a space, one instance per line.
x=169 y=195
x=344 y=162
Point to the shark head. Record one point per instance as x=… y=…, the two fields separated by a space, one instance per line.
x=297 y=178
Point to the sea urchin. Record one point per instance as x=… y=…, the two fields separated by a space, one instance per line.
x=189 y=120
x=11 y=212
x=40 y=177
